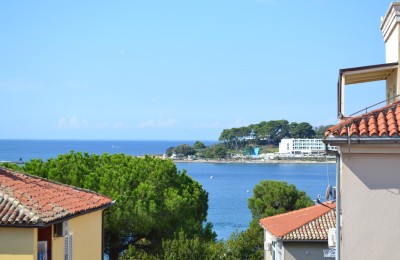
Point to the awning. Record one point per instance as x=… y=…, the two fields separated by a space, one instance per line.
x=367 y=73
x=361 y=75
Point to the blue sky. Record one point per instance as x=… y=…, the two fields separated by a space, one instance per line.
x=179 y=70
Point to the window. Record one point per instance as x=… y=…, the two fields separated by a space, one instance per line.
x=61 y=229
x=277 y=250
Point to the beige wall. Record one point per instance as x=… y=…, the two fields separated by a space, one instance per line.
x=304 y=250
x=18 y=243
x=370 y=199
x=86 y=233
x=392 y=86
x=57 y=250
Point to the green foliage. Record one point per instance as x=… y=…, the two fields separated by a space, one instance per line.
x=199 y=145
x=181 y=150
x=182 y=247
x=216 y=151
x=270 y=132
x=276 y=197
x=170 y=151
x=135 y=253
x=184 y=150
x=153 y=199
x=9 y=165
x=320 y=131
x=270 y=198
x=302 y=130
x=247 y=244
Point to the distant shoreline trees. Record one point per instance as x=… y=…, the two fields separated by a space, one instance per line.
x=264 y=134
x=216 y=151
x=268 y=132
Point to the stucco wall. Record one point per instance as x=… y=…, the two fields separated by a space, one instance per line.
x=370 y=191
x=86 y=233
x=391 y=87
x=304 y=250
x=392 y=45
x=18 y=243
x=268 y=238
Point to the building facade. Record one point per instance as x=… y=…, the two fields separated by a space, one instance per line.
x=368 y=159
x=298 y=146
x=299 y=234
x=41 y=219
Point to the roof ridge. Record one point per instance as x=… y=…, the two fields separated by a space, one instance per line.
x=32 y=200
x=314 y=221
x=297 y=210
x=311 y=220
x=376 y=123
x=10 y=171
x=314 y=212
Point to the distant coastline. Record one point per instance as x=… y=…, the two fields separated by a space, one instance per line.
x=289 y=161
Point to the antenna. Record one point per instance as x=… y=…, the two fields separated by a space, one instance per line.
x=334 y=193
x=328 y=192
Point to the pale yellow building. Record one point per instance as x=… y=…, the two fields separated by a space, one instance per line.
x=368 y=158
x=41 y=219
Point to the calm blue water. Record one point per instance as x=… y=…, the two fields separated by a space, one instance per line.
x=229 y=185
x=14 y=150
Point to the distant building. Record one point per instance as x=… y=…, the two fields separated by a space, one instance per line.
x=42 y=219
x=303 y=146
x=299 y=234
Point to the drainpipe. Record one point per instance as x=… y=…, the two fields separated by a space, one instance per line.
x=338 y=208
x=338 y=199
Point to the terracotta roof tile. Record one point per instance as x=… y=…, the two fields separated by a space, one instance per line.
x=391 y=122
x=382 y=125
x=31 y=200
x=382 y=122
x=353 y=130
x=310 y=223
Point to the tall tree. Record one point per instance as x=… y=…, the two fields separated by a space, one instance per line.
x=276 y=197
x=320 y=131
x=153 y=199
x=302 y=130
x=269 y=198
x=199 y=145
x=184 y=150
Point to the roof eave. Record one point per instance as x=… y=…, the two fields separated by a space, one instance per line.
x=23 y=225
x=307 y=241
x=361 y=140
x=103 y=207
x=42 y=224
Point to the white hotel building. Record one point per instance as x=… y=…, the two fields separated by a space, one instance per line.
x=303 y=146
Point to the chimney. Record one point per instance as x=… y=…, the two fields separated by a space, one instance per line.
x=390 y=28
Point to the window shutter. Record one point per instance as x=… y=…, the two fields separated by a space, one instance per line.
x=68 y=247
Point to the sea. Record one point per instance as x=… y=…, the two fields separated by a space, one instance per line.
x=229 y=185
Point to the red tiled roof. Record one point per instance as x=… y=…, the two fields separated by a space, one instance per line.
x=31 y=200
x=310 y=223
x=383 y=122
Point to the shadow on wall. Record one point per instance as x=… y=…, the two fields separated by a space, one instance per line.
x=375 y=171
